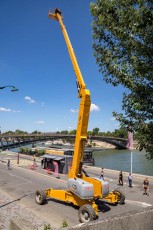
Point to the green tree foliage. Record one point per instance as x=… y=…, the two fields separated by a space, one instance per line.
x=36 y=132
x=89 y=133
x=8 y=132
x=72 y=132
x=95 y=131
x=17 y=131
x=64 y=132
x=123 y=48
x=20 y=132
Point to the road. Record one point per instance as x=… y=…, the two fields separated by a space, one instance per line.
x=20 y=184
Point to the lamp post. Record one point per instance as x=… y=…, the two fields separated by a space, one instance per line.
x=18 y=158
x=14 y=89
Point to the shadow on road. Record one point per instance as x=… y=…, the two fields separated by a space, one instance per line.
x=103 y=207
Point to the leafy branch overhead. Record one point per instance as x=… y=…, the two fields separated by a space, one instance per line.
x=123 y=48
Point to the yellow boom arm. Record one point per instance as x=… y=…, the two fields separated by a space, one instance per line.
x=84 y=94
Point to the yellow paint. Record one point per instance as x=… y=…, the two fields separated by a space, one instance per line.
x=53 y=151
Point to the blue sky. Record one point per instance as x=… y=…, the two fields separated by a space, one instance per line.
x=34 y=58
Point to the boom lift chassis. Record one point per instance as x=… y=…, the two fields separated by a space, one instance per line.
x=82 y=191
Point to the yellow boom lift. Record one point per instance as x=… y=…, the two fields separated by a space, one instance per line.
x=83 y=191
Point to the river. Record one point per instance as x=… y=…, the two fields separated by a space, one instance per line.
x=121 y=160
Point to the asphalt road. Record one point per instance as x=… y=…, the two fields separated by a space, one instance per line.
x=21 y=183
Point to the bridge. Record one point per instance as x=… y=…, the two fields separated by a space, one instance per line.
x=10 y=141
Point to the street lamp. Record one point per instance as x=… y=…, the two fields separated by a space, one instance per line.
x=10 y=86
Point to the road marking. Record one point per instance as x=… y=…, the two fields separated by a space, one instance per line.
x=138 y=202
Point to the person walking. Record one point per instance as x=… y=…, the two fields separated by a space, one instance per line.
x=146 y=186
x=102 y=174
x=42 y=163
x=120 y=178
x=130 y=180
x=8 y=164
x=34 y=160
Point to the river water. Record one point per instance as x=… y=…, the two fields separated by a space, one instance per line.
x=121 y=160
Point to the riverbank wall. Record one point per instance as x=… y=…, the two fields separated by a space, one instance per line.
x=137 y=220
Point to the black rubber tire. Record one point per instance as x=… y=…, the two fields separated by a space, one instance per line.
x=121 y=196
x=86 y=213
x=40 y=197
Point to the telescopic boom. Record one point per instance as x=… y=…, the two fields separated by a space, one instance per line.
x=84 y=110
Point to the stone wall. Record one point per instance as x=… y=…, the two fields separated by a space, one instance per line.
x=135 y=220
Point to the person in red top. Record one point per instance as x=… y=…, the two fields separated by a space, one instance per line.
x=146 y=186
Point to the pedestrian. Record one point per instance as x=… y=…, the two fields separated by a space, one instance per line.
x=130 y=180
x=8 y=164
x=34 y=160
x=42 y=163
x=102 y=174
x=146 y=186
x=120 y=180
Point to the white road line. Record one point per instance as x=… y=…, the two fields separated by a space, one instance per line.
x=138 y=203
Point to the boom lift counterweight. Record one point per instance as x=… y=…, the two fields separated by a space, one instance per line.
x=82 y=191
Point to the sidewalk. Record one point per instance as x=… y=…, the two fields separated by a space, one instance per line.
x=26 y=162
x=9 y=209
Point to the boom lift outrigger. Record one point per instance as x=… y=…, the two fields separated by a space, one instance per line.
x=82 y=191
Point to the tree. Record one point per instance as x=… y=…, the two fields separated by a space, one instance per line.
x=120 y=133
x=72 y=132
x=36 y=132
x=89 y=133
x=64 y=132
x=123 y=48
x=95 y=131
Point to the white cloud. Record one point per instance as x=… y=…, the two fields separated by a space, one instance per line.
x=94 y=107
x=69 y=127
x=29 y=99
x=9 y=110
x=73 y=111
x=40 y=122
x=5 y=110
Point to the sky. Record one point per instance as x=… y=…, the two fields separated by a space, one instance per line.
x=34 y=58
